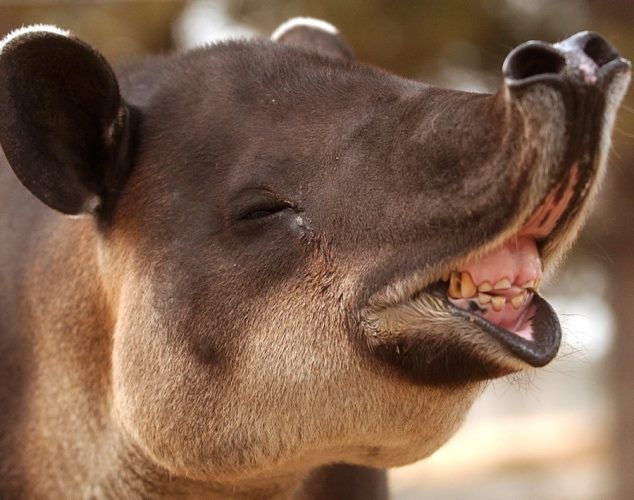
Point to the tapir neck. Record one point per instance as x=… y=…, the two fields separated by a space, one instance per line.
x=127 y=472
x=58 y=326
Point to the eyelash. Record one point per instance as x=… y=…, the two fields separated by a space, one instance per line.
x=264 y=211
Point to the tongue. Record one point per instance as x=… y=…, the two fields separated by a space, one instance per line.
x=516 y=262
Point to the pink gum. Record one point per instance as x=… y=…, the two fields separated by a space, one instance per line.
x=518 y=260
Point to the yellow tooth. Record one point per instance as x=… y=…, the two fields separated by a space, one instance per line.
x=484 y=298
x=454 y=286
x=485 y=286
x=503 y=284
x=538 y=283
x=518 y=300
x=498 y=303
x=529 y=284
x=467 y=286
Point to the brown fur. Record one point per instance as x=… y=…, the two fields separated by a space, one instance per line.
x=166 y=345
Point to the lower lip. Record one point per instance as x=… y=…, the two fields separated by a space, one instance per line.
x=545 y=326
x=516 y=321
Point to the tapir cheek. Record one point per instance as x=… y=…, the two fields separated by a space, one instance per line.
x=178 y=374
x=163 y=394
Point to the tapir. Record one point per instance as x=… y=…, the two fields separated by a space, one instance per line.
x=262 y=269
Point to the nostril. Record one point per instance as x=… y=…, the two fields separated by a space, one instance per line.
x=533 y=59
x=600 y=50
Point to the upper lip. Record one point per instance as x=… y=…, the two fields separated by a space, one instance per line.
x=412 y=281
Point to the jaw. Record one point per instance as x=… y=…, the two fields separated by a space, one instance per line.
x=431 y=331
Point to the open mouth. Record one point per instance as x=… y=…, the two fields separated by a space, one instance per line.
x=497 y=291
x=500 y=286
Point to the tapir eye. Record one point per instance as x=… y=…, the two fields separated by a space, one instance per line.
x=262 y=210
x=257 y=203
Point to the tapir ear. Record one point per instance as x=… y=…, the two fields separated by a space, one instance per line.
x=314 y=35
x=64 y=128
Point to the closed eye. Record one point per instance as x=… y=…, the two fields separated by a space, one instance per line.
x=264 y=210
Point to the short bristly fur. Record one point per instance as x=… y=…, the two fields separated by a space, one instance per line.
x=259 y=220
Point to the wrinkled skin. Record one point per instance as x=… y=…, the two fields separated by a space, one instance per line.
x=201 y=330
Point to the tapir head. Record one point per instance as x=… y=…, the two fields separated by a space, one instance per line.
x=304 y=259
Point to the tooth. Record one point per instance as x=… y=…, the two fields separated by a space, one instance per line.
x=518 y=300
x=467 y=286
x=484 y=298
x=503 y=284
x=538 y=283
x=529 y=284
x=485 y=286
x=498 y=303
x=454 y=286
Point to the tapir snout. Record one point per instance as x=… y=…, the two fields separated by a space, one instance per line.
x=586 y=59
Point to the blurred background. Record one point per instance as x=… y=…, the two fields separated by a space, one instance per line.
x=567 y=431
